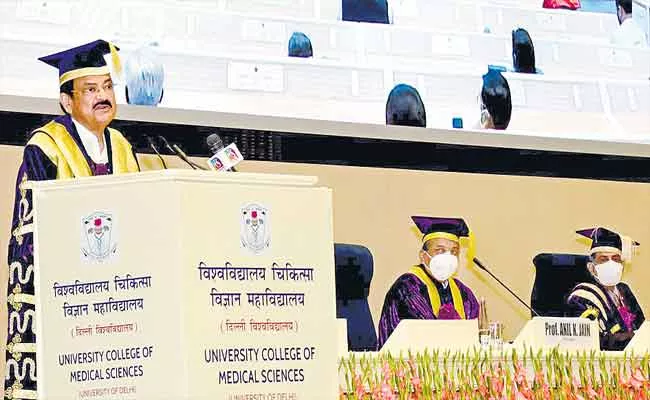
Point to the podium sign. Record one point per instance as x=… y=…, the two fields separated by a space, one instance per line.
x=185 y=285
x=565 y=333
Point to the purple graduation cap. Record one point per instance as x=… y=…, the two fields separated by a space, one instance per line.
x=436 y=227
x=604 y=240
x=84 y=60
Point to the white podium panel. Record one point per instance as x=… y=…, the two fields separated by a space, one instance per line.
x=640 y=343
x=419 y=335
x=185 y=285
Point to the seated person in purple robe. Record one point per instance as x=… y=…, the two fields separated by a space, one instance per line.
x=77 y=144
x=429 y=290
x=606 y=299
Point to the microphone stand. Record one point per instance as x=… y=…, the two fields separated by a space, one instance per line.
x=179 y=153
x=155 y=150
x=184 y=156
x=484 y=268
x=166 y=143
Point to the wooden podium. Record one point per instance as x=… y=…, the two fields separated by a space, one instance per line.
x=185 y=285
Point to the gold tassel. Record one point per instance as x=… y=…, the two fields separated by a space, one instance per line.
x=115 y=58
x=628 y=249
x=470 y=245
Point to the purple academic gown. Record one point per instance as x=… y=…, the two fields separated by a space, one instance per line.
x=408 y=298
x=36 y=166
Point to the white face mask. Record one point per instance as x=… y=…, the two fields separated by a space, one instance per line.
x=609 y=273
x=443 y=266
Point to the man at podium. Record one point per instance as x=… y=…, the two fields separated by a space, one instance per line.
x=428 y=290
x=607 y=299
x=77 y=144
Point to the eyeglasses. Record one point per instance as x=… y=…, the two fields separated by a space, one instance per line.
x=92 y=91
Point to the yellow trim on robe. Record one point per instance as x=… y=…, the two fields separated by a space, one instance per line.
x=23 y=348
x=592 y=298
x=81 y=72
x=60 y=147
x=590 y=312
x=124 y=161
x=22 y=298
x=434 y=296
x=615 y=328
x=25 y=394
x=440 y=235
x=596 y=289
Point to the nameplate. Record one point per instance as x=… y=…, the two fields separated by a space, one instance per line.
x=565 y=333
x=562 y=331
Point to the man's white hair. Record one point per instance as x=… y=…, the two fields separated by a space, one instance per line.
x=145 y=76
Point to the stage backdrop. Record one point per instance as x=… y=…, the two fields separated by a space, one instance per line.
x=513 y=219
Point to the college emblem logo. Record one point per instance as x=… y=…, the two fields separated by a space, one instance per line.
x=255 y=228
x=98 y=238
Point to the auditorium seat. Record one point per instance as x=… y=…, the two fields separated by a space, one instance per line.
x=183 y=29
x=328 y=90
x=629 y=103
x=475 y=17
x=354 y=269
x=590 y=60
x=262 y=35
x=555 y=276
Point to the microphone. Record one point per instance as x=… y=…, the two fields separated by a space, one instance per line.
x=484 y=268
x=179 y=153
x=215 y=145
x=152 y=145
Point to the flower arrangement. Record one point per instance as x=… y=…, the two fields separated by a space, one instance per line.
x=507 y=376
